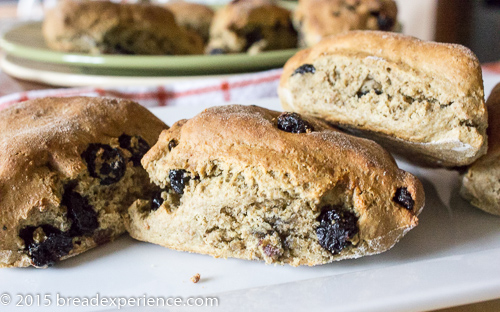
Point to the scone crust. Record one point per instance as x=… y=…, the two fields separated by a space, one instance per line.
x=453 y=65
x=233 y=21
x=40 y=149
x=83 y=26
x=246 y=139
x=480 y=183
x=194 y=16
x=316 y=19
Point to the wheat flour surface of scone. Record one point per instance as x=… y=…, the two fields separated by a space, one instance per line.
x=481 y=181
x=251 y=183
x=423 y=100
x=69 y=168
x=316 y=19
x=193 y=16
x=251 y=26
x=118 y=28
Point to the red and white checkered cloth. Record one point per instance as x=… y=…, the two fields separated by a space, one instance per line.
x=213 y=90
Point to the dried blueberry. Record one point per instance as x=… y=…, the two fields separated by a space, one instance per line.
x=172 y=144
x=178 y=180
x=403 y=198
x=365 y=92
x=105 y=163
x=384 y=22
x=156 y=200
x=292 y=122
x=306 y=68
x=83 y=216
x=54 y=245
x=337 y=227
x=135 y=145
x=217 y=51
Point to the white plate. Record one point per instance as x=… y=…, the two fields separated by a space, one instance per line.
x=451 y=258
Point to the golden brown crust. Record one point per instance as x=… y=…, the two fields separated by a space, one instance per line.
x=419 y=82
x=193 y=16
x=309 y=170
x=40 y=151
x=107 y=27
x=245 y=23
x=316 y=19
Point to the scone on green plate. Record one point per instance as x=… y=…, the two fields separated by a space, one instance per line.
x=423 y=100
x=251 y=26
x=69 y=167
x=481 y=181
x=251 y=183
x=104 y=27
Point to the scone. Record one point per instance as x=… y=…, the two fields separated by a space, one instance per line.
x=423 y=100
x=193 y=16
x=251 y=26
x=69 y=168
x=481 y=181
x=251 y=183
x=316 y=19
x=119 y=28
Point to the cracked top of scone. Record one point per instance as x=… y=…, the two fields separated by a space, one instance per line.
x=424 y=96
x=41 y=149
x=308 y=151
x=316 y=19
x=121 y=28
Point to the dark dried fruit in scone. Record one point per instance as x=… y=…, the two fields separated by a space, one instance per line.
x=178 y=180
x=306 y=68
x=384 y=22
x=105 y=163
x=135 y=145
x=337 y=227
x=172 y=144
x=80 y=212
x=156 y=200
x=292 y=122
x=52 y=245
x=217 y=51
x=403 y=198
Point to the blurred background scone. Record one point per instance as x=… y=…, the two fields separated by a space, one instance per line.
x=107 y=27
x=192 y=16
x=315 y=19
x=251 y=26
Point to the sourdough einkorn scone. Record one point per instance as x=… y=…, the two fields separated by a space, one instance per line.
x=316 y=19
x=481 y=181
x=423 y=100
x=251 y=183
x=69 y=168
x=117 y=28
x=193 y=16
x=251 y=26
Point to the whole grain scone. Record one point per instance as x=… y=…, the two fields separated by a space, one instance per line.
x=69 y=168
x=423 y=100
x=251 y=183
x=192 y=16
x=251 y=26
x=481 y=181
x=118 y=28
x=316 y=19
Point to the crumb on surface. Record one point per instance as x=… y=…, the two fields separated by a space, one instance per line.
x=195 y=278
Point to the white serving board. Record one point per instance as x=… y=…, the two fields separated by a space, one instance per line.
x=452 y=257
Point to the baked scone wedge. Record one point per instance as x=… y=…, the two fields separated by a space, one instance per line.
x=102 y=27
x=251 y=26
x=481 y=181
x=68 y=168
x=316 y=19
x=195 y=17
x=423 y=100
x=251 y=183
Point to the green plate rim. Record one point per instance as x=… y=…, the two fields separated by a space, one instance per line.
x=189 y=62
